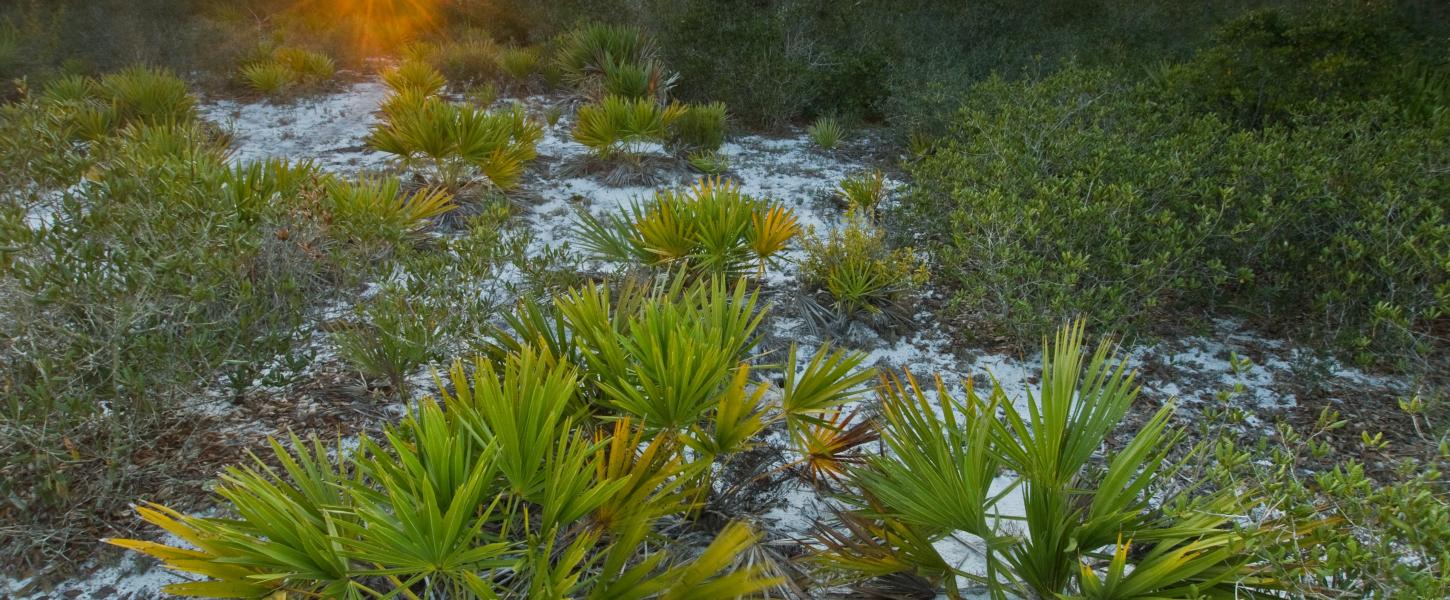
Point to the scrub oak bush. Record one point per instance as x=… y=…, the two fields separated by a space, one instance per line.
x=1078 y=194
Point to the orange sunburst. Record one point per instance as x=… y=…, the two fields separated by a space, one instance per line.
x=375 y=26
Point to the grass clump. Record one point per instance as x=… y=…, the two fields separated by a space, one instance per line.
x=712 y=228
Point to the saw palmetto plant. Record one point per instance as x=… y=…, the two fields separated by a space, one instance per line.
x=700 y=128
x=863 y=192
x=376 y=209
x=454 y=144
x=269 y=77
x=710 y=228
x=491 y=493
x=583 y=55
x=311 y=67
x=948 y=472
x=826 y=132
x=414 y=75
x=520 y=63
x=620 y=127
x=147 y=95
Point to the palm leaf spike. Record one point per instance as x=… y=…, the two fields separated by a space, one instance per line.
x=771 y=230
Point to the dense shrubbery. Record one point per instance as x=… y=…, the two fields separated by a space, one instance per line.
x=161 y=271
x=1081 y=195
x=1269 y=64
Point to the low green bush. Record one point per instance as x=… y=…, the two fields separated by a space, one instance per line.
x=1079 y=195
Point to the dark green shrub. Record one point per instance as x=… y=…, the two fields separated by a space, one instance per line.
x=1264 y=65
x=1079 y=195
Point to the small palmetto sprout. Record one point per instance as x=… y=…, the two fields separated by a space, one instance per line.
x=148 y=95
x=523 y=410
x=709 y=162
x=433 y=494
x=770 y=231
x=826 y=132
x=828 y=447
x=519 y=63
x=414 y=75
x=829 y=380
x=713 y=227
x=269 y=77
x=737 y=421
x=651 y=472
x=701 y=127
x=863 y=192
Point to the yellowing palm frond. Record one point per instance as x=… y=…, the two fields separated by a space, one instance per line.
x=771 y=231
